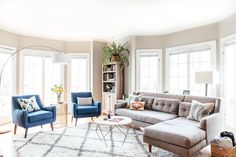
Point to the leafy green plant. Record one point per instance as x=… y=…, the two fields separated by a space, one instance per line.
x=119 y=52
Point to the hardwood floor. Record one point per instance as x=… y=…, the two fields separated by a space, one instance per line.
x=8 y=150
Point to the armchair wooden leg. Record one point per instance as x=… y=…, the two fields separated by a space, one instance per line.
x=15 y=128
x=76 y=121
x=72 y=119
x=26 y=131
x=149 y=148
x=52 y=126
x=92 y=118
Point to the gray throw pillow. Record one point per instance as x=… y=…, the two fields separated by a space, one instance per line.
x=199 y=110
x=85 y=101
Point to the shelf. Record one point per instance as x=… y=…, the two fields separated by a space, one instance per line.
x=112 y=63
x=109 y=81
x=109 y=71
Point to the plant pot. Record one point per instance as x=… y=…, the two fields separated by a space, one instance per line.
x=115 y=58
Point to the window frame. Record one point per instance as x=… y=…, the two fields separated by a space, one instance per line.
x=188 y=48
x=40 y=53
x=6 y=119
x=138 y=52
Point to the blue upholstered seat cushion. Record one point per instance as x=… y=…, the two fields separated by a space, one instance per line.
x=86 y=109
x=39 y=115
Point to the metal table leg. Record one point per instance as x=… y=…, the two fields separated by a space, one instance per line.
x=102 y=134
x=97 y=132
x=126 y=136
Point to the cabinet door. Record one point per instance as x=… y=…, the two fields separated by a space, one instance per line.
x=109 y=100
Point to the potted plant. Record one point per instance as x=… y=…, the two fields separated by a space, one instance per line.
x=116 y=53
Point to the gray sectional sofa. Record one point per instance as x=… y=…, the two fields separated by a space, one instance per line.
x=166 y=126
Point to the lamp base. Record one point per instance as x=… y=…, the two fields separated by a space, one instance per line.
x=5 y=131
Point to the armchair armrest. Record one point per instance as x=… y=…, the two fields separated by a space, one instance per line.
x=98 y=105
x=213 y=125
x=20 y=117
x=52 y=109
x=120 y=104
x=73 y=109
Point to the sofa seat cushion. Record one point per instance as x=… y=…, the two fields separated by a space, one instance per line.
x=147 y=116
x=180 y=131
x=39 y=115
x=86 y=109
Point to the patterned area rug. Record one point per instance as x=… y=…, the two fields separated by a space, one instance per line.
x=84 y=141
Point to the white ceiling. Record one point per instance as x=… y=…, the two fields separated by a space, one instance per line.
x=108 y=19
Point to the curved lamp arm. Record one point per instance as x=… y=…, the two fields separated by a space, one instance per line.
x=18 y=51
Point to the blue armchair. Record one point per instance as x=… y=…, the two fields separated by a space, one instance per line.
x=25 y=119
x=80 y=111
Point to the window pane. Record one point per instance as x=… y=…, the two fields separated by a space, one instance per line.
x=178 y=73
x=199 y=61
x=229 y=86
x=52 y=77
x=149 y=79
x=6 y=89
x=79 y=74
x=33 y=75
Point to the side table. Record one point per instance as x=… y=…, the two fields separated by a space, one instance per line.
x=62 y=114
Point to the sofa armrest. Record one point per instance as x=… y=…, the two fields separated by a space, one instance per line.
x=120 y=104
x=20 y=117
x=213 y=125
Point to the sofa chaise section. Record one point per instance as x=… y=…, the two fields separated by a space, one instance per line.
x=181 y=133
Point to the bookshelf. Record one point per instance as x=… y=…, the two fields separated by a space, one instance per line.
x=112 y=85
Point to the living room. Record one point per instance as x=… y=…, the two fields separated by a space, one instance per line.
x=117 y=78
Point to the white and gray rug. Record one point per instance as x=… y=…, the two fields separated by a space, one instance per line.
x=83 y=141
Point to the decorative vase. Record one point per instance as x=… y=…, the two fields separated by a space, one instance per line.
x=59 y=98
x=115 y=58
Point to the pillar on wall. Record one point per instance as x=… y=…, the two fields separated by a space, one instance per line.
x=96 y=69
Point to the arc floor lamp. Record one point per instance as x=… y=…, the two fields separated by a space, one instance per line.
x=58 y=57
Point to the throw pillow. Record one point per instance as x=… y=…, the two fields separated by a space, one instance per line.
x=134 y=98
x=199 y=110
x=29 y=104
x=137 y=106
x=85 y=101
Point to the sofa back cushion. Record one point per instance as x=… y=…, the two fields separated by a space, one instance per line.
x=161 y=95
x=184 y=109
x=203 y=99
x=166 y=105
x=148 y=102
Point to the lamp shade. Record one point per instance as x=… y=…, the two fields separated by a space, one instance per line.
x=61 y=58
x=206 y=77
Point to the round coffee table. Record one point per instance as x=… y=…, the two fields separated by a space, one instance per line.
x=114 y=122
